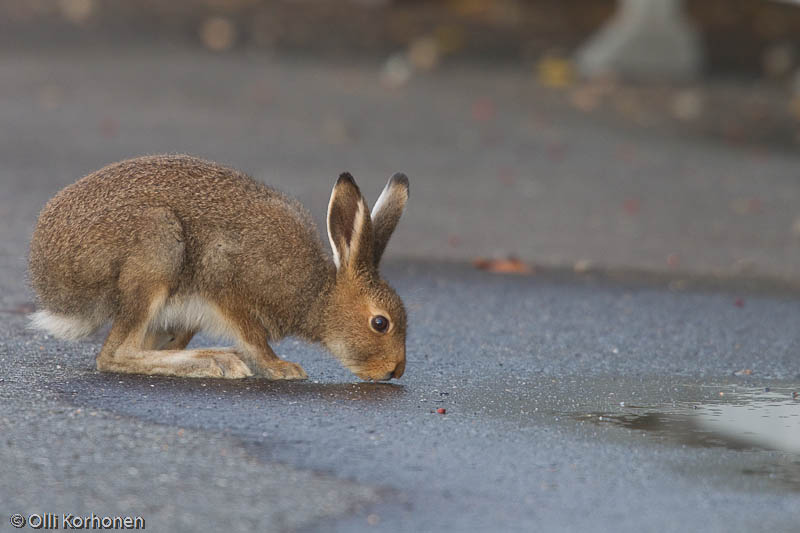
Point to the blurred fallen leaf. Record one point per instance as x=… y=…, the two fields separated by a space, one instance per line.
x=483 y=109
x=218 y=33
x=76 y=11
x=687 y=105
x=582 y=266
x=423 y=53
x=746 y=206
x=631 y=206
x=449 y=38
x=673 y=260
x=555 y=72
x=509 y=265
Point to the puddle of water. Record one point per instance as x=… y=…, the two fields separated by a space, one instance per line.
x=734 y=417
x=769 y=420
x=764 y=424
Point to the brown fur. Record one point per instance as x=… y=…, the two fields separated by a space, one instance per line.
x=165 y=245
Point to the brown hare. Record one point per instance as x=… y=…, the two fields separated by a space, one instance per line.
x=166 y=246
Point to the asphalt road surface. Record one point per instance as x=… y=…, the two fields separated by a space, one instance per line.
x=572 y=403
x=525 y=367
x=498 y=165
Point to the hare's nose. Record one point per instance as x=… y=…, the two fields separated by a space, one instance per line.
x=399 y=369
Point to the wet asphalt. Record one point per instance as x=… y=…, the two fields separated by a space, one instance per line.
x=523 y=366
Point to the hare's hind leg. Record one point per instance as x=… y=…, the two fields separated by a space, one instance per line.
x=152 y=265
x=128 y=349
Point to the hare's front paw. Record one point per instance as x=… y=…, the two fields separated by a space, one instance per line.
x=226 y=365
x=279 y=369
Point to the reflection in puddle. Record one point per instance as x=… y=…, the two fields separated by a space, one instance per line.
x=769 y=420
x=670 y=425
x=736 y=418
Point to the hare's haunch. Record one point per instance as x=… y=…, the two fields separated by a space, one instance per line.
x=167 y=246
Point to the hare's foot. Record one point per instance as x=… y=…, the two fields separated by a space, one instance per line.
x=253 y=347
x=279 y=369
x=204 y=363
x=217 y=364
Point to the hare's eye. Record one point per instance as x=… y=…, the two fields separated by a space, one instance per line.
x=380 y=323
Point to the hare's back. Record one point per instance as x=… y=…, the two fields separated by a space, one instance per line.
x=204 y=196
x=88 y=230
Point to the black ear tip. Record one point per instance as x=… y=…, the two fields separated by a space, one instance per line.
x=400 y=179
x=345 y=177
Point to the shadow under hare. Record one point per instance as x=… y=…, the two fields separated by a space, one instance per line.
x=166 y=246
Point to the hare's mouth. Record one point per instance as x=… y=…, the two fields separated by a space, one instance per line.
x=381 y=375
x=386 y=377
x=366 y=376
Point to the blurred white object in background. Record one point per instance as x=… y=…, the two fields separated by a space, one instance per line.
x=644 y=40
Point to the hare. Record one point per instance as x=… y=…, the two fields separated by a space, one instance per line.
x=166 y=246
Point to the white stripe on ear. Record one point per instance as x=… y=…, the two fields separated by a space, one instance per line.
x=386 y=213
x=336 y=259
x=382 y=199
x=343 y=252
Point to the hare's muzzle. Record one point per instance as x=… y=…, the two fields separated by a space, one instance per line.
x=396 y=373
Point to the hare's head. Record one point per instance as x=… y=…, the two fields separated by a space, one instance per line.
x=365 y=326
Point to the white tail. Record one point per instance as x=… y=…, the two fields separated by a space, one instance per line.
x=63 y=326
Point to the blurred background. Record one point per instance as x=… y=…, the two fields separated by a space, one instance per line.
x=637 y=137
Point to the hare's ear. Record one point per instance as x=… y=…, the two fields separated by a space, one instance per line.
x=386 y=213
x=349 y=226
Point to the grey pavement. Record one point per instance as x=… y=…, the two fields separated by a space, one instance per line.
x=521 y=365
x=569 y=398
x=498 y=165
